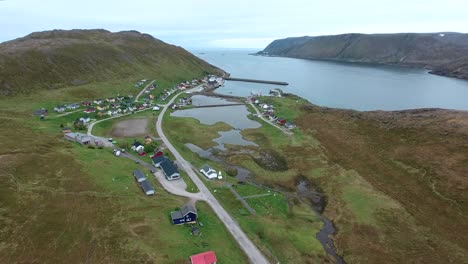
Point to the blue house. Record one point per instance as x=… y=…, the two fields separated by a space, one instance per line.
x=186 y=215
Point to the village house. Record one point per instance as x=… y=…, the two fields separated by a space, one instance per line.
x=289 y=125
x=169 y=170
x=110 y=100
x=60 y=108
x=73 y=106
x=186 y=215
x=147 y=187
x=98 y=101
x=208 y=257
x=137 y=146
x=86 y=103
x=41 y=112
x=157 y=160
x=90 y=110
x=85 y=119
x=102 y=107
x=209 y=172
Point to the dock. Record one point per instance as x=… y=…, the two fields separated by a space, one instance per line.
x=215 y=105
x=255 y=81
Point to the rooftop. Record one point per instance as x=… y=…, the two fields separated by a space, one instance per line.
x=208 y=257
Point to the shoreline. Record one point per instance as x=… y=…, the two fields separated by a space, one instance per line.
x=434 y=70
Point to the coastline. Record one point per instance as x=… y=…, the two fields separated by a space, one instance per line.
x=435 y=70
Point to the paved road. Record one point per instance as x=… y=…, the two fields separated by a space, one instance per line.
x=144 y=89
x=252 y=252
x=284 y=130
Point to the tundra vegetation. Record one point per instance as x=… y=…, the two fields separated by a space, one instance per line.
x=386 y=191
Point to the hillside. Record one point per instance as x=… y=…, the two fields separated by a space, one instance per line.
x=58 y=58
x=441 y=52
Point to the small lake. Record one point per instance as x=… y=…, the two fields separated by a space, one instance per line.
x=235 y=116
x=341 y=85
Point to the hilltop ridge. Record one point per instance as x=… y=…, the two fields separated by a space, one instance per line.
x=60 y=58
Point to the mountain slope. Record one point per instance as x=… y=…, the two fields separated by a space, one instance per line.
x=58 y=58
x=436 y=51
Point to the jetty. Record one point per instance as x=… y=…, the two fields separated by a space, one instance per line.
x=215 y=105
x=255 y=81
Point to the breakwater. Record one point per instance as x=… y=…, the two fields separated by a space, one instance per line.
x=255 y=81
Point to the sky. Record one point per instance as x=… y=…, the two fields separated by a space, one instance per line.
x=233 y=24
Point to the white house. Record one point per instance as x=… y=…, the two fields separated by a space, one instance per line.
x=156 y=108
x=85 y=119
x=208 y=172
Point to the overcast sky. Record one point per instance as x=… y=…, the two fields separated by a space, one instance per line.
x=233 y=24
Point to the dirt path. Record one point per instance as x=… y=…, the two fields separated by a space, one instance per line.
x=144 y=89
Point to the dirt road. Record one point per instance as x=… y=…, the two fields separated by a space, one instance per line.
x=142 y=91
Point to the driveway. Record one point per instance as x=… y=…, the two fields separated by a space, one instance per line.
x=252 y=252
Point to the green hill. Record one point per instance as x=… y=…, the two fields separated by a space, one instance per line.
x=59 y=58
x=437 y=51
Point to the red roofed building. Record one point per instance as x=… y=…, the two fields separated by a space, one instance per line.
x=208 y=257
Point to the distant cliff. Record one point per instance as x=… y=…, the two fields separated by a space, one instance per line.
x=444 y=53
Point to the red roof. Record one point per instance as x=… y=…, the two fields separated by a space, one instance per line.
x=208 y=257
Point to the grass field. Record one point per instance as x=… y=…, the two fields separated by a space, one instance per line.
x=61 y=202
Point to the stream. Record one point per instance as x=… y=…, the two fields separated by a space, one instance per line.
x=303 y=190
x=318 y=203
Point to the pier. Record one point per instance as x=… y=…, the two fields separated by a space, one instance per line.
x=255 y=81
x=215 y=105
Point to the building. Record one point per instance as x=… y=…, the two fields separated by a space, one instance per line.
x=41 y=112
x=73 y=106
x=147 y=187
x=157 y=160
x=60 y=108
x=138 y=147
x=83 y=139
x=209 y=172
x=139 y=176
x=169 y=170
x=289 y=125
x=208 y=257
x=186 y=215
x=85 y=119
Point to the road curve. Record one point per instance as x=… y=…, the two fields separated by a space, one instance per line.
x=252 y=252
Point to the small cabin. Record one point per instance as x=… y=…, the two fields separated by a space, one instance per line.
x=186 y=215
x=139 y=176
x=209 y=172
x=147 y=187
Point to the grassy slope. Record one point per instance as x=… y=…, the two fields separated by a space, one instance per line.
x=59 y=203
x=388 y=208
x=384 y=211
x=54 y=59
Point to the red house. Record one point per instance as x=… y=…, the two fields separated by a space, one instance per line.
x=208 y=257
